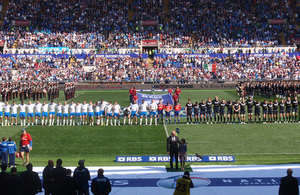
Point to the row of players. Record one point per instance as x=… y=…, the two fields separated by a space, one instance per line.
x=205 y=111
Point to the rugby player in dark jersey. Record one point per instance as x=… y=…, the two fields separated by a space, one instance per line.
x=275 y=112
x=209 y=110
x=189 y=111
x=281 y=111
x=288 y=106
x=222 y=111
x=250 y=104
x=270 y=111
x=257 y=110
x=196 y=112
x=295 y=104
x=216 y=104
x=243 y=111
x=229 y=111
x=264 y=106
x=236 y=111
x=202 y=111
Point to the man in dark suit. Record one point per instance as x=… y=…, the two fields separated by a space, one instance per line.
x=31 y=181
x=3 y=179
x=15 y=185
x=69 y=185
x=58 y=176
x=289 y=184
x=47 y=177
x=172 y=148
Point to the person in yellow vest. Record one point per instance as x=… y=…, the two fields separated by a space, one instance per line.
x=184 y=184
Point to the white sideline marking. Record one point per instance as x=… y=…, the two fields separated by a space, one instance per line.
x=76 y=96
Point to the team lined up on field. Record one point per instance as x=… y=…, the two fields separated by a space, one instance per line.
x=106 y=113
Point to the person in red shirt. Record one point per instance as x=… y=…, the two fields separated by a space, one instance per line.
x=177 y=92
x=175 y=98
x=168 y=109
x=25 y=146
x=130 y=94
x=177 y=108
x=135 y=98
x=160 y=108
x=133 y=91
x=170 y=91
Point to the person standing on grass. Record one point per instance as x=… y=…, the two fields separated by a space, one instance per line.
x=177 y=92
x=25 y=146
x=153 y=109
x=117 y=112
x=4 y=150
x=59 y=114
x=182 y=153
x=184 y=184
x=72 y=108
x=84 y=108
x=30 y=115
x=14 y=112
x=108 y=113
x=66 y=114
x=1 y=112
x=91 y=113
x=78 y=113
x=189 y=111
x=38 y=112
x=160 y=108
x=177 y=108
x=22 y=113
x=82 y=176
x=12 y=149
x=289 y=184
x=7 y=114
x=100 y=184
x=134 y=108
x=168 y=109
x=172 y=148
x=45 y=109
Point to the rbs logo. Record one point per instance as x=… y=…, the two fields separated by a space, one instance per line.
x=130 y=159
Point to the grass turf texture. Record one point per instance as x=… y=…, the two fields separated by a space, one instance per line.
x=250 y=144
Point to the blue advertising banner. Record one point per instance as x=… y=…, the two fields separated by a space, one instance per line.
x=148 y=97
x=123 y=159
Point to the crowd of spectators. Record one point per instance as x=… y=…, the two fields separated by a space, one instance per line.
x=107 y=25
x=166 y=68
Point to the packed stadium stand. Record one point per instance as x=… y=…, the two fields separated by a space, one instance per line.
x=78 y=34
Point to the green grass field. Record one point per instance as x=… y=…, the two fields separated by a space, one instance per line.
x=250 y=144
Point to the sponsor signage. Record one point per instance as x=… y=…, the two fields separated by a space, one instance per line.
x=149 y=22
x=128 y=159
x=277 y=21
x=152 y=43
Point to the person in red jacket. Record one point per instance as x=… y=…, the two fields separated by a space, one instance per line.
x=168 y=109
x=170 y=90
x=177 y=108
x=25 y=146
x=177 y=92
x=135 y=98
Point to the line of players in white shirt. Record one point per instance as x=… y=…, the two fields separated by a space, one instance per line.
x=71 y=114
